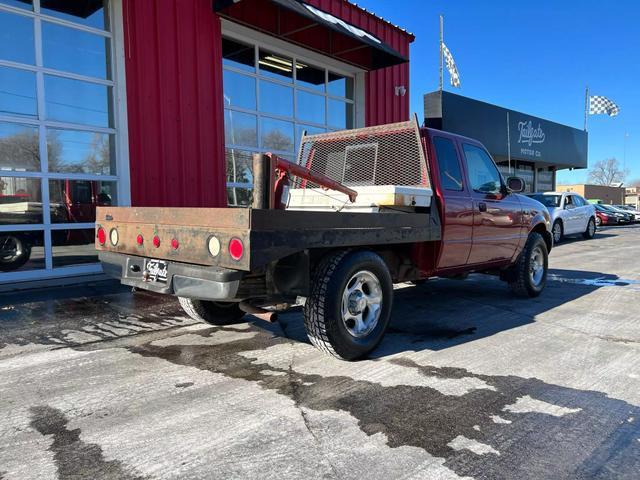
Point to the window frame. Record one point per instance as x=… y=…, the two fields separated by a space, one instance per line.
x=117 y=104
x=239 y=33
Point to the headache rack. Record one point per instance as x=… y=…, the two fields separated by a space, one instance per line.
x=382 y=155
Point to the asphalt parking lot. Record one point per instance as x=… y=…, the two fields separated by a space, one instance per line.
x=100 y=383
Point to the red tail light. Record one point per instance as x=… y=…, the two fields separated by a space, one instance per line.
x=156 y=241
x=236 y=248
x=102 y=236
x=175 y=243
x=140 y=240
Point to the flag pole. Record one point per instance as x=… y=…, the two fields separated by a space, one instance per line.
x=586 y=107
x=441 y=53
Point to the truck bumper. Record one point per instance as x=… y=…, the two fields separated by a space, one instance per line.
x=183 y=280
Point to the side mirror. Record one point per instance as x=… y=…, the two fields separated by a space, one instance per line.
x=515 y=184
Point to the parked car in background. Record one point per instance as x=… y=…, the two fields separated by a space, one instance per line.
x=632 y=210
x=605 y=217
x=628 y=216
x=622 y=216
x=570 y=214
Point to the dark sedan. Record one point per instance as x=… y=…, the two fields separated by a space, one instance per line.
x=620 y=217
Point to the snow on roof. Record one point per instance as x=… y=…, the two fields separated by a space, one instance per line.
x=380 y=18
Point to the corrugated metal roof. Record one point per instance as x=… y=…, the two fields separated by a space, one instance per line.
x=381 y=18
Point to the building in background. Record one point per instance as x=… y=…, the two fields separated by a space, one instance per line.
x=521 y=144
x=162 y=103
x=632 y=196
x=606 y=194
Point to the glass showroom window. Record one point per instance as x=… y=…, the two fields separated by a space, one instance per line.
x=57 y=135
x=270 y=100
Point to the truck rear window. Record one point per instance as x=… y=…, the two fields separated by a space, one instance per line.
x=448 y=164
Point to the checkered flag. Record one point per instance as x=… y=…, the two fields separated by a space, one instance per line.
x=451 y=66
x=599 y=104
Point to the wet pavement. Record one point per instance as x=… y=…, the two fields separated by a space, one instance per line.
x=97 y=382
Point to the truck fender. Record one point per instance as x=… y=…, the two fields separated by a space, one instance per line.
x=541 y=223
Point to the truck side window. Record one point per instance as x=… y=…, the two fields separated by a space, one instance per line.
x=450 y=174
x=483 y=174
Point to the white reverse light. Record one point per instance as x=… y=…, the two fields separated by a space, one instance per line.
x=214 y=246
x=113 y=235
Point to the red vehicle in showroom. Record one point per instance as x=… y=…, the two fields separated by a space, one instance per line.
x=367 y=208
x=72 y=201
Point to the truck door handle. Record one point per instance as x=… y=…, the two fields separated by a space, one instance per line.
x=482 y=207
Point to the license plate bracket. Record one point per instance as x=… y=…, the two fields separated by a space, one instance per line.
x=156 y=270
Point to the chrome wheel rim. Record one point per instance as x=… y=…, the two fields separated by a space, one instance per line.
x=598 y=221
x=557 y=232
x=361 y=304
x=536 y=266
x=592 y=228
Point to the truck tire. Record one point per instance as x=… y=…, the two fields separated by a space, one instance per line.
x=348 y=310
x=530 y=271
x=15 y=251
x=590 y=232
x=558 y=231
x=213 y=313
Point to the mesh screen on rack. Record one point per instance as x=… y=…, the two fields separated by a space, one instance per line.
x=382 y=155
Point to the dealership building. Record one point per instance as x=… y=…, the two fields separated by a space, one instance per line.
x=162 y=103
x=523 y=145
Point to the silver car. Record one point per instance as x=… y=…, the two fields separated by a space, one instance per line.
x=570 y=214
x=631 y=210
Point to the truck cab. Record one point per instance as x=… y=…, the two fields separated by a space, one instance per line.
x=485 y=220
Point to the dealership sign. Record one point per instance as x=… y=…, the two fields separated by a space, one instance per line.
x=508 y=132
x=528 y=135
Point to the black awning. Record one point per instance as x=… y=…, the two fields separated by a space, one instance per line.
x=380 y=54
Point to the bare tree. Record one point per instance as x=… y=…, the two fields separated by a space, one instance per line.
x=607 y=172
x=20 y=151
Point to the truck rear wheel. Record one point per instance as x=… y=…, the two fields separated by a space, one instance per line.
x=349 y=308
x=530 y=271
x=213 y=313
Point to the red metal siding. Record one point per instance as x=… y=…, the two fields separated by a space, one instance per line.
x=381 y=103
x=174 y=103
x=174 y=96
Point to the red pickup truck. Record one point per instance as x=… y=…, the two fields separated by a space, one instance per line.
x=72 y=201
x=225 y=262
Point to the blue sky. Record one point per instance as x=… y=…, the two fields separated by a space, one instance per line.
x=535 y=57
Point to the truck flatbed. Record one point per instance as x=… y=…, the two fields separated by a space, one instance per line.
x=267 y=235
